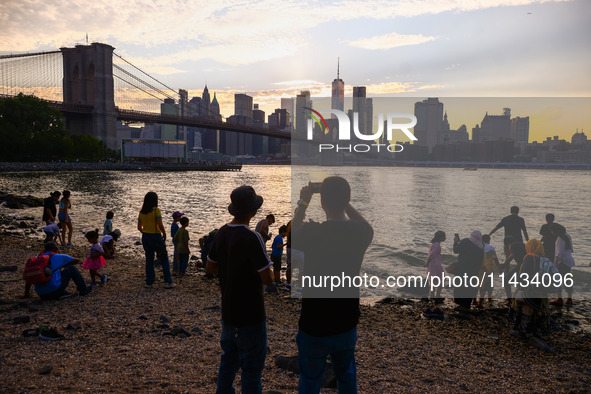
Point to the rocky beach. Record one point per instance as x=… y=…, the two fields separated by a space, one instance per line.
x=123 y=337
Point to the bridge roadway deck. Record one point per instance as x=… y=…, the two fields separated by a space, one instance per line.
x=150 y=117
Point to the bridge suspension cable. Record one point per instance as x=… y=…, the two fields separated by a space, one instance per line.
x=39 y=74
x=132 y=91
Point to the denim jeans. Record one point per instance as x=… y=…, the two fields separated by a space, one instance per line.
x=68 y=273
x=183 y=262
x=243 y=348
x=175 y=259
x=312 y=352
x=150 y=242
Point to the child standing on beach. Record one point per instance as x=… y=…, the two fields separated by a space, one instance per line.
x=490 y=264
x=95 y=260
x=64 y=217
x=182 y=245
x=108 y=226
x=277 y=253
x=174 y=227
x=435 y=268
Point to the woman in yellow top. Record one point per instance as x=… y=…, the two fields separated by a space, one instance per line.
x=149 y=223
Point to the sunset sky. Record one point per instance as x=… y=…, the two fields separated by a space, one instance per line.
x=273 y=49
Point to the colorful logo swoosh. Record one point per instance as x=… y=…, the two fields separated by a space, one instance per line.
x=318 y=119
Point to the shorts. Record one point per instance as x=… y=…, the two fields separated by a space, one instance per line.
x=276 y=262
x=62 y=217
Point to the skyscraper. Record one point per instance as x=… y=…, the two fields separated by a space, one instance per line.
x=168 y=131
x=210 y=139
x=364 y=108
x=301 y=122
x=520 y=129
x=258 y=115
x=183 y=112
x=205 y=100
x=302 y=101
x=338 y=92
x=496 y=127
x=214 y=109
x=243 y=105
x=289 y=105
x=429 y=115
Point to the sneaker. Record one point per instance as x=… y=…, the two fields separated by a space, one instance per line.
x=169 y=285
x=104 y=279
x=557 y=302
x=433 y=314
x=69 y=244
x=288 y=287
x=32 y=332
x=147 y=286
x=86 y=291
x=50 y=334
x=66 y=296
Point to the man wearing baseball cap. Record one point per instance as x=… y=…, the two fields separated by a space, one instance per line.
x=239 y=257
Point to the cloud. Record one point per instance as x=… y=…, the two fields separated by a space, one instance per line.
x=233 y=32
x=241 y=51
x=390 y=40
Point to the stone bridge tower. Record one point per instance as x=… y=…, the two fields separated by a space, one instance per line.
x=88 y=80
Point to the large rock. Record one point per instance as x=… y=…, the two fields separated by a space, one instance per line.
x=17 y=202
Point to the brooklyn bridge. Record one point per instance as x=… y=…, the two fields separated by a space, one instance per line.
x=94 y=87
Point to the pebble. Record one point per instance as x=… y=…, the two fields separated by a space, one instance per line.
x=164 y=319
x=45 y=370
x=74 y=326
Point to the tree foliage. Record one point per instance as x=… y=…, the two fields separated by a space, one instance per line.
x=32 y=130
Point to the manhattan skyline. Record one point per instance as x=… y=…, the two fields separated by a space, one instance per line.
x=269 y=50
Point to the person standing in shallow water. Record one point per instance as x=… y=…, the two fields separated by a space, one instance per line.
x=149 y=223
x=548 y=237
x=513 y=224
x=563 y=261
x=433 y=263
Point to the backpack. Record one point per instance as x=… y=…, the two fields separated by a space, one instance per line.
x=207 y=242
x=37 y=269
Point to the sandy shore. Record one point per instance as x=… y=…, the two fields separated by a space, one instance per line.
x=120 y=339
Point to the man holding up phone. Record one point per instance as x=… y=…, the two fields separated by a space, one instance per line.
x=328 y=321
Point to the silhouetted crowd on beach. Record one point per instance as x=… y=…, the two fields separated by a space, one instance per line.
x=542 y=268
x=238 y=257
